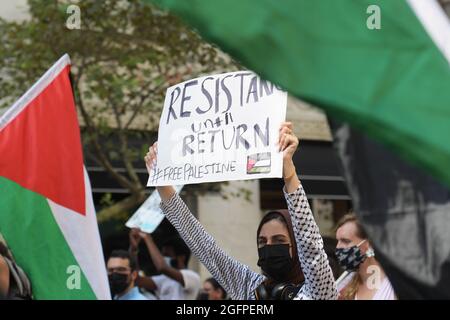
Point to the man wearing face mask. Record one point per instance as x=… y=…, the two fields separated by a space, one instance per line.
x=122 y=273
x=364 y=278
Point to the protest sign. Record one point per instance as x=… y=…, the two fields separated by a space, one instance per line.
x=220 y=128
x=149 y=215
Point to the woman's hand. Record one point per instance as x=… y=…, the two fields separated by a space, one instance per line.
x=288 y=144
x=151 y=156
x=145 y=236
x=165 y=192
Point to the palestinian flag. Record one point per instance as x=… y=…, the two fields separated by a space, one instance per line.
x=405 y=211
x=47 y=216
x=383 y=67
x=380 y=65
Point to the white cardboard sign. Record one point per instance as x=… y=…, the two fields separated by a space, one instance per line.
x=219 y=128
x=149 y=215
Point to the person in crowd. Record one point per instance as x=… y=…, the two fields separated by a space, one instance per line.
x=212 y=290
x=175 y=281
x=364 y=278
x=14 y=283
x=122 y=274
x=290 y=248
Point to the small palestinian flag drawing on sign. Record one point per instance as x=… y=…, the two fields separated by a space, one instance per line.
x=258 y=163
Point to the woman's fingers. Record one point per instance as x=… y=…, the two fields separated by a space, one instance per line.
x=292 y=142
x=150 y=157
x=285 y=133
x=281 y=143
x=287 y=141
x=154 y=154
x=287 y=124
x=152 y=151
x=148 y=161
x=285 y=130
x=286 y=138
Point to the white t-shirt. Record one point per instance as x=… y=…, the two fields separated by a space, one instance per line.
x=169 y=289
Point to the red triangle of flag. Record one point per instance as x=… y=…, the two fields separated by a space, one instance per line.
x=40 y=148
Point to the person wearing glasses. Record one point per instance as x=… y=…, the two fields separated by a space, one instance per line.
x=122 y=274
x=290 y=248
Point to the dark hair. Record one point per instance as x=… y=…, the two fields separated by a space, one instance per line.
x=272 y=215
x=351 y=217
x=125 y=255
x=4 y=251
x=216 y=285
x=179 y=247
x=295 y=276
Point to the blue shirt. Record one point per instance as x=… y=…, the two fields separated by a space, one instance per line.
x=133 y=294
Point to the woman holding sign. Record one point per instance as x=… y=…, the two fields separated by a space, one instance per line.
x=290 y=248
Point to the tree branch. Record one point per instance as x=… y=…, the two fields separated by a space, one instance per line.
x=122 y=180
x=124 y=149
x=139 y=106
x=122 y=206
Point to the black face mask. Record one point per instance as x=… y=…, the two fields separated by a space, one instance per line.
x=203 y=296
x=275 y=261
x=171 y=262
x=118 y=283
x=350 y=258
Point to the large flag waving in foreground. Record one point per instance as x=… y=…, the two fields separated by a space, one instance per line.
x=404 y=210
x=47 y=215
x=392 y=82
x=384 y=67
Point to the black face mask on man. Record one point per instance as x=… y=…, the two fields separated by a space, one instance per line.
x=171 y=262
x=275 y=261
x=118 y=282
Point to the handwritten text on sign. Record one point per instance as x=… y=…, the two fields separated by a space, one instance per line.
x=219 y=128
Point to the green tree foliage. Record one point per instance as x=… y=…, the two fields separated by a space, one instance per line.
x=124 y=56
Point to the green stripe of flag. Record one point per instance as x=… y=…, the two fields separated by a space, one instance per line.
x=38 y=245
x=392 y=83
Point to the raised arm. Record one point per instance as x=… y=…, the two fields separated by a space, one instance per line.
x=319 y=280
x=236 y=278
x=158 y=260
x=141 y=281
